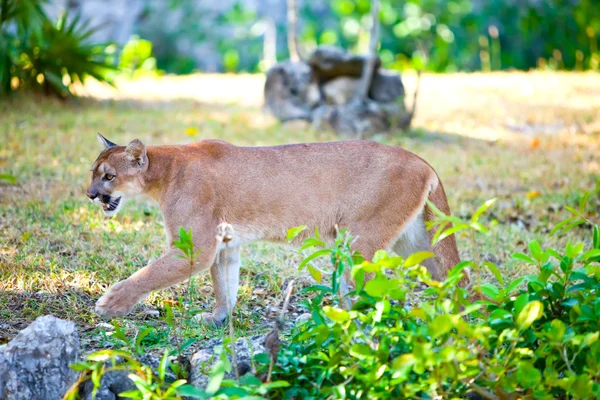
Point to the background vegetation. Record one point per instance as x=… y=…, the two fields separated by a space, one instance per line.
x=435 y=35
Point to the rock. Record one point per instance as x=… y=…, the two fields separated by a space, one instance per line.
x=111 y=384
x=291 y=91
x=204 y=359
x=356 y=119
x=35 y=364
x=340 y=90
x=303 y=318
x=114 y=382
x=330 y=62
x=322 y=92
x=386 y=87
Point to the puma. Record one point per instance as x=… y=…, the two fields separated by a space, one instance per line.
x=378 y=192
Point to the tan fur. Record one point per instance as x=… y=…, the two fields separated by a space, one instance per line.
x=379 y=192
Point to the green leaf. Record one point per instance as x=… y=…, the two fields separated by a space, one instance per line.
x=276 y=384
x=573 y=251
x=417 y=258
x=403 y=365
x=82 y=366
x=591 y=338
x=261 y=358
x=216 y=377
x=435 y=210
x=514 y=284
x=489 y=290
x=380 y=286
x=589 y=255
x=336 y=314
x=520 y=303
x=315 y=273
x=440 y=325
x=583 y=202
x=140 y=337
x=482 y=209
x=523 y=257
x=164 y=363
x=499 y=318
x=561 y=225
x=313 y=256
x=536 y=251
x=596 y=237
x=530 y=313
x=439 y=235
x=361 y=351
x=192 y=391
x=495 y=271
x=8 y=178
x=292 y=233
x=557 y=330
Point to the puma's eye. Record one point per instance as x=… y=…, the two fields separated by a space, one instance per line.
x=109 y=177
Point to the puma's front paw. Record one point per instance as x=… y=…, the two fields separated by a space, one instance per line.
x=117 y=301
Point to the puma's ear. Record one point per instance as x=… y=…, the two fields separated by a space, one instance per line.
x=137 y=150
x=105 y=142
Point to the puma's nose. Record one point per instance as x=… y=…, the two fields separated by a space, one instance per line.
x=91 y=194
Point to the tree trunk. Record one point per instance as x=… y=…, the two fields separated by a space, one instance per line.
x=292 y=34
x=269 y=45
x=367 y=73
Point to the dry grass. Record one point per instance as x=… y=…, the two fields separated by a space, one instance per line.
x=529 y=139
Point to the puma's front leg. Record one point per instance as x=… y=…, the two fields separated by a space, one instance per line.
x=225 y=274
x=165 y=271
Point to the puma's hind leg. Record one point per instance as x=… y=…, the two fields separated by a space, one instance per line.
x=225 y=274
x=415 y=238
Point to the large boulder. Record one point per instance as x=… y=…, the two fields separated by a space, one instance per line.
x=322 y=91
x=330 y=62
x=291 y=91
x=35 y=364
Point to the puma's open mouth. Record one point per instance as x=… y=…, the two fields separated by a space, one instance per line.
x=111 y=205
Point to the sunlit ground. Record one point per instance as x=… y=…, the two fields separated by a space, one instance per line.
x=529 y=139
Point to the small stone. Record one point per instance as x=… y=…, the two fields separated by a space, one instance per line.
x=151 y=312
x=106 y=326
x=303 y=318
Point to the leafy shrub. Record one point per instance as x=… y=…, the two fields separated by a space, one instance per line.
x=407 y=336
x=136 y=58
x=37 y=53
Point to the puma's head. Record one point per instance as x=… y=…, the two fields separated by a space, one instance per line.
x=116 y=174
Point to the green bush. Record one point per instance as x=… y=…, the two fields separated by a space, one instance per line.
x=136 y=58
x=407 y=336
x=36 y=53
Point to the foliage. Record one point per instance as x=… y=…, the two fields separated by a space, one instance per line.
x=136 y=58
x=539 y=341
x=450 y=35
x=437 y=35
x=37 y=53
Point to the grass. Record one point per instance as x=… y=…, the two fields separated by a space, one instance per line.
x=529 y=139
